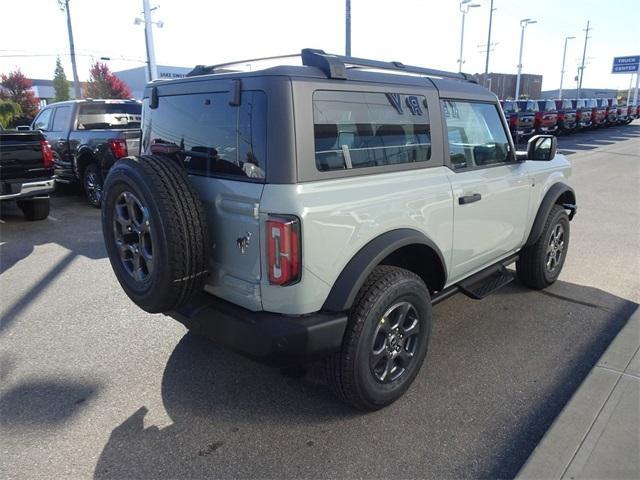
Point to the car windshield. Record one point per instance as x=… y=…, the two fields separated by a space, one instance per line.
x=102 y=115
x=592 y=103
x=547 y=105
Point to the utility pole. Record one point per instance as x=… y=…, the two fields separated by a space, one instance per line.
x=635 y=94
x=347 y=47
x=564 y=56
x=148 y=36
x=523 y=24
x=64 y=5
x=486 y=62
x=584 y=55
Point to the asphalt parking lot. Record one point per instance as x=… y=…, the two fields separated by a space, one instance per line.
x=92 y=386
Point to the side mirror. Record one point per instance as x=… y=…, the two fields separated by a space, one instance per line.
x=542 y=147
x=22 y=128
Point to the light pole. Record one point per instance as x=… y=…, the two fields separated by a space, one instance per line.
x=465 y=5
x=486 y=63
x=152 y=69
x=564 y=56
x=64 y=5
x=584 y=54
x=347 y=47
x=523 y=24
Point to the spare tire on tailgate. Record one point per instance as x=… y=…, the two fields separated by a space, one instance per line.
x=155 y=232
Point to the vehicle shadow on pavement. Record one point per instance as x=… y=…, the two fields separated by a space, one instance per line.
x=497 y=374
x=72 y=226
x=592 y=139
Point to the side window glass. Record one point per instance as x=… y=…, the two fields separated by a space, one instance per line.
x=61 y=119
x=476 y=135
x=361 y=129
x=208 y=135
x=42 y=121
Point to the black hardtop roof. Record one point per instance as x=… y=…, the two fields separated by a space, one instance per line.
x=323 y=66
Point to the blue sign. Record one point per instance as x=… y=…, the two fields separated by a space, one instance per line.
x=626 y=64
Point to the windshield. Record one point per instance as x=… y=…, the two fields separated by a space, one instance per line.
x=101 y=115
x=547 y=105
x=509 y=107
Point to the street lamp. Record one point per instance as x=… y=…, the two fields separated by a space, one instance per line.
x=152 y=70
x=465 y=5
x=564 y=56
x=523 y=24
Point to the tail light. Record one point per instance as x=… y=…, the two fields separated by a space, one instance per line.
x=47 y=154
x=513 y=121
x=119 y=147
x=538 y=119
x=283 y=249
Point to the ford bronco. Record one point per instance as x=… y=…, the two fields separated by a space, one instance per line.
x=318 y=211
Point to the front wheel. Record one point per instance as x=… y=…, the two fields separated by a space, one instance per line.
x=385 y=342
x=540 y=264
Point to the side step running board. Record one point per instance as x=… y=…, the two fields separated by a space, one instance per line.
x=481 y=284
x=484 y=283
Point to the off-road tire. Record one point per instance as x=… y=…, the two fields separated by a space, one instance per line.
x=348 y=371
x=35 y=208
x=176 y=229
x=93 y=184
x=531 y=266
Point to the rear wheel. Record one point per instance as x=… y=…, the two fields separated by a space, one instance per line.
x=155 y=232
x=540 y=264
x=386 y=340
x=35 y=208
x=93 y=184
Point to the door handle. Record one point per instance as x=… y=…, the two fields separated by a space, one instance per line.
x=476 y=197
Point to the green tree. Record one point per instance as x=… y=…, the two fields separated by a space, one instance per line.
x=8 y=111
x=60 y=83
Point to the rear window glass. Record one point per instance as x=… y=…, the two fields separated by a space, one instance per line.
x=510 y=107
x=209 y=136
x=99 y=115
x=360 y=129
x=547 y=105
x=528 y=106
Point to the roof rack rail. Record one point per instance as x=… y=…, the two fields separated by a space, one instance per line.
x=207 y=69
x=334 y=66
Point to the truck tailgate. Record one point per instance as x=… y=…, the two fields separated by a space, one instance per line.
x=20 y=155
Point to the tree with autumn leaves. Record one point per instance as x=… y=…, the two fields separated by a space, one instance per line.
x=104 y=84
x=17 y=88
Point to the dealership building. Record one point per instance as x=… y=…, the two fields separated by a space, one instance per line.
x=136 y=78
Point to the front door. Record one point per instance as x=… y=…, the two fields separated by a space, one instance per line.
x=490 y=189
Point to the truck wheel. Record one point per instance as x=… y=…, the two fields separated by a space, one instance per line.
x=92 y=184
x=539 y=265
x=385 y=342
x=34 y=208
x=155 y=232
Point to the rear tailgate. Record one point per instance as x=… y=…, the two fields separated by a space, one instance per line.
x=21 y=155
x=526 y=121
x=132 y=138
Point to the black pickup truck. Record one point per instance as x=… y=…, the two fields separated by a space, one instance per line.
x=26 y=172
x=87 y=137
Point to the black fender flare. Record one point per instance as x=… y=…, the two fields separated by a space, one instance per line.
x=549 y=200
x=82 y=152
x=354 y=274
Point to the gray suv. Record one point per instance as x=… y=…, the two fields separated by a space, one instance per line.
x=317 y=212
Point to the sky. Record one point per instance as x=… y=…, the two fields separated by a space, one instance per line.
x=418 y=32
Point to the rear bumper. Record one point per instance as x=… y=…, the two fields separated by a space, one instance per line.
x=547 y=129
x=267 y=337
x=38 y=188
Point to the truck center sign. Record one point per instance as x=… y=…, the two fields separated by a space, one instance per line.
x=626 y=64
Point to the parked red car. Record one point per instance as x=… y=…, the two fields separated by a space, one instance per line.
x=612 y=111
x=546 y=118
x=598 y=113
x=521 y=122
x=566 y=116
